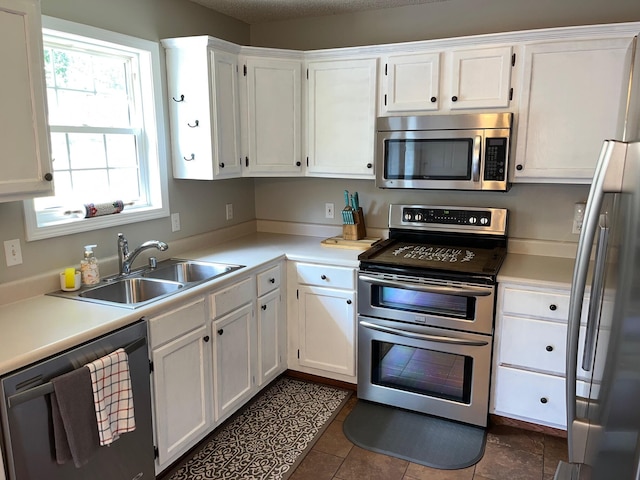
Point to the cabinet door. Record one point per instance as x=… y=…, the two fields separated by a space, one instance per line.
x=226 y=109
x=25 y=158
x=412 y=83
x=182 y=393
x=480 y=78
x=571 y=102
x=234 y=359
x=341 y=118
x=326 y=328
x=271 y=337
x=273 y=116
x=190 y=113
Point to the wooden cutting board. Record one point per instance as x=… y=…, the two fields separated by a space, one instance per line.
x=340 y=242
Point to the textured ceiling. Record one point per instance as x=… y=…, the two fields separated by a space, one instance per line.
x=259 y=11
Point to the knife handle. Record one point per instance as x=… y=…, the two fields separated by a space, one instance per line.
x=356 y=200
x=346 y=198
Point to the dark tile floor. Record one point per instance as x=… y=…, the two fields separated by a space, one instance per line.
x=510 y=454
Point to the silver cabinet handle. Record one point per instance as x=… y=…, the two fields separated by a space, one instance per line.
x=422 y=336
x=467 y=291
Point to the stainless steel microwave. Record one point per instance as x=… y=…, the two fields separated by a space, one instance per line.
x=450 y=152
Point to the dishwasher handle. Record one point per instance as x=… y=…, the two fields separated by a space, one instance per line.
x=47 y=388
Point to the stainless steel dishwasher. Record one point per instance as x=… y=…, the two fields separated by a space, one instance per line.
x=27 y=428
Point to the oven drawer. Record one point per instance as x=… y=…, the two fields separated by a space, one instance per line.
x=326 y=276
x=530 y=396
x=548 y=305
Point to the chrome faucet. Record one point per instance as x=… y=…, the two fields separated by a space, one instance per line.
x=126 y=258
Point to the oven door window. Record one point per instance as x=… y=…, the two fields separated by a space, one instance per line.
x=428 y=159
x=422 y=371
x=426 y=303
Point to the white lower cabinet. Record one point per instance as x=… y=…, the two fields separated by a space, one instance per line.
x=323 y=321
x=210 y=356
x=530 y=354
x=183 y=413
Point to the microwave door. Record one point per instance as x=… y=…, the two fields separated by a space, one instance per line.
x=450 y=160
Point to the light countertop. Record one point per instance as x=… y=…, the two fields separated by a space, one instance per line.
x=537 y=270
x=41 y=326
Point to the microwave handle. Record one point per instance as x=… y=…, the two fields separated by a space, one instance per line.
x=475 y=159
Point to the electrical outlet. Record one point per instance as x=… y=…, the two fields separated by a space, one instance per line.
x=12 y=252
x=175 y=222
x=578 y=217
x=229 y=211
x=329 y=208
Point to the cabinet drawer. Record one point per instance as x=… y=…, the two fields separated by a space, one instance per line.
x=326 y=276
x=549 y=305
x=232 y=297
x=268 y=280
x=535 y=344
x=176 y=322
x=531 y=396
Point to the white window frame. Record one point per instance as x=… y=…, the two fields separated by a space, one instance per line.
x=155 y=149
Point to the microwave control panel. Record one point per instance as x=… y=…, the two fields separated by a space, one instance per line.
x=495 y=159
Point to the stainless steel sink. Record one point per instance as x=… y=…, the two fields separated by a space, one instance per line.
x=132 y=290
x=148 y=284
x=189 y=271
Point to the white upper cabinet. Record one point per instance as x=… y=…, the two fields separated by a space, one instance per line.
x=203 y=109
x=447 y=80
x=272 y=120
x=572 y=100
x=25 y=158
x=341 y=113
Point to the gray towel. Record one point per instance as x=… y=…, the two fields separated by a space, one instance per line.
x=75 y=428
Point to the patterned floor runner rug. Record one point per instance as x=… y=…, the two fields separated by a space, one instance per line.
x=269 y=437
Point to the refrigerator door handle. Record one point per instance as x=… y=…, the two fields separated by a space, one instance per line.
x=607 y=178
x=597 y=292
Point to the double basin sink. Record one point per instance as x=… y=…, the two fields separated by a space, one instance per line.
x=150 y=284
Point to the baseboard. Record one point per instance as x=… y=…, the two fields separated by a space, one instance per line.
x=533 y=427
x=317 y=379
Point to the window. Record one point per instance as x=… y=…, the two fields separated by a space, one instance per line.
x=106 y=139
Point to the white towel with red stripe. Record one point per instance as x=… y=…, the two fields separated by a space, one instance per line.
x=112 y=396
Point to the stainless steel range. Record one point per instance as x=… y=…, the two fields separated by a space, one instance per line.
x=426 y=299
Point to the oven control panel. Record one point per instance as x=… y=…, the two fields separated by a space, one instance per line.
x=443 y=216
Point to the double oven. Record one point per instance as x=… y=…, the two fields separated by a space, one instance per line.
x=426 y=300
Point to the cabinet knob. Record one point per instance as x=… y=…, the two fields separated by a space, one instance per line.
x=543 y=400
x=272 y=280
x=191 y=158
x=549 y=348
x=348 y=302
x=433 y=99
x=48 y=177
x=369 y=165
x=553 y=307
x=454 y=99
x=222 y=165
x=220 y=332
x=323 y=277
x=263 y=307
x=519 y=167
x=206 y=338
x=197 y=123
x=298 y=164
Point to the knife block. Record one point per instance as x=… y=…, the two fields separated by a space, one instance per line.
x=356 y=231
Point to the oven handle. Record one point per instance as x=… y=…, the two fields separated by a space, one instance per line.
x=468 y=291
x=422 y=336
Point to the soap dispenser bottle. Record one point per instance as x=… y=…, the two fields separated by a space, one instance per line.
x=89 y=267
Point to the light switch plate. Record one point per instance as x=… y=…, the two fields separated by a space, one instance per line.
x=175 y=222
x=229 y=210
x=12 y=252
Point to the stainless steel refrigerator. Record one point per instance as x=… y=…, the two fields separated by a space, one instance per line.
x=603 y=408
